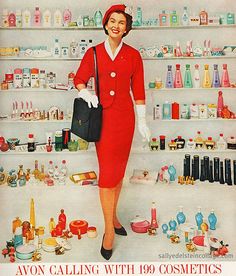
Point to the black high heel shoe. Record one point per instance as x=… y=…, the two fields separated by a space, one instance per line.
x=120 y=231
x=106 y=253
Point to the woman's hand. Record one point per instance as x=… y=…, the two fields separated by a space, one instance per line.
x=92 y=100
x=142 y=125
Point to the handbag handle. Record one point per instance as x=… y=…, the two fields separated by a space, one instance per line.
x=96 y=73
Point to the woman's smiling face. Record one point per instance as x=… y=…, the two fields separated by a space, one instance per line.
x=116 y=25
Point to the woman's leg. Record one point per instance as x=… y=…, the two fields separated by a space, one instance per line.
x=116 y=221
x=107 y=198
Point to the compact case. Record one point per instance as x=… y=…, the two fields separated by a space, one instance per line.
x=77 y=225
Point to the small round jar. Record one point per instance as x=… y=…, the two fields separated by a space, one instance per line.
x=92 y=232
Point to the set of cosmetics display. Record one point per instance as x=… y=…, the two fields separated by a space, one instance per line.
x=197 y=143
x=54 y=175
x=176 y=81
x=47 y=19
x=176 y=111
x=214 y=170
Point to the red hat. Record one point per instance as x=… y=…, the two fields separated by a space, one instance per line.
x=112 y=9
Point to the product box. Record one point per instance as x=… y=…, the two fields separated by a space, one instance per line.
x=203 y=113
x=194 y=111
x=212 y=111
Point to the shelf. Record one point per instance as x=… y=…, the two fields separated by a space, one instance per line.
x=8 y=121
x=193 y=120
x=182 y=58
x=144 y=58
x=133 y=151
x=38 y=90
x=215 y=89
x=134 y=27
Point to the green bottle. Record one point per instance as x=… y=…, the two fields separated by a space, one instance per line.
x=174 y=19
x=188 y=78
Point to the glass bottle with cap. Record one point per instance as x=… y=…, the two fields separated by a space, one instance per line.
x=31 y=143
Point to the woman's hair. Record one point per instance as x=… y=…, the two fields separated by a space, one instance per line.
x=129 y=21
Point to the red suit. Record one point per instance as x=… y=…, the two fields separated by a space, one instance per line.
x=116 y=79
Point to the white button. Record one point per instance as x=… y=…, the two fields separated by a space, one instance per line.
x=113 y=74
x=112 y=93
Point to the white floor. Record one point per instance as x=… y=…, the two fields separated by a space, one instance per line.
x=83 y=203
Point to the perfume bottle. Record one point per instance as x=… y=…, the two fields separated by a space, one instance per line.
x=212 y=219
x=204 y=226
x=221 y=177
x=51 y=224
x=20 y=172
x=174 y=19
x=210 y=144
x=178 y=52
x=216 y=77
x=42 y=174
x=225 y=77
x=206 y=77
x=172 y=172
x=216 y=169
x=166 y=111
x=50 y=169
x=37 y=17
x=181 y=218
x=199 y=218
x=180 y=142
x=196 y=77
x=139 y=16
x=188 y=78
x=203 y=17
x=199 y=140
x=164 y=19
x=62 y=219
x=178 y=78
x=154 y=223
x=221 y=143
x=164 y=228
x=185 y=17
x=190 y=144
x=169 y=77
x=220 y=104
x=172 y=224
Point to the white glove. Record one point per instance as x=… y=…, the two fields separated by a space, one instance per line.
x=142 y=125
x=92 y=100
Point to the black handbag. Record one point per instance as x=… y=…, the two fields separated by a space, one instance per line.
x=87 y=122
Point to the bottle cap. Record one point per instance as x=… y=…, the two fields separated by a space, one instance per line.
x=221 y=134
x=209 y=138
x=190 y=139
x=224 y=66
x=162 y=137
x=196 y=66
x=177 y=66
x=63 y=161
x=179 y=137
x=206 y=66
x=154 y=139
x=31 y=135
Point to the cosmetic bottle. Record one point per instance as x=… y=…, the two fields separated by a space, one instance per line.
x=234 y=169
x=57 y=19
x=225 y=77
x=211 y=179
x=228 y=178
x=166 y=111
x=37 y=17
x=12 y=19
x=202 y=175
x=26 y=18
x=196 y=77
x=4 y=22
x=203 y=17
x=220 y=104
x=56 y=49
x=187 y=165
x=169 y=77
x=67 y=16
x=162 y=142
x=206 y=77
x=50 y=170
x=180 y=142
x=36 y=171
x=154 y=223
x=178 y=78
x=181 y=218
x=185 y=17
x=172 y=224
x=174 y=19
x=178 y=52
x=139 y=16
x=199 y=140
x=190 y=144
x=188 y=78
x=164 y=19
x=31 y=143
x=196 y=166
x=221 y=177
x=18 y=19
x=47 y=17
x=216 y=77
x=221 y=143
x=175 y=111
x=98 y=18
x=216 y=169
x=212 y=219
x=210 y=144
x=172 y=172
x=199 y=218
x=206 y=166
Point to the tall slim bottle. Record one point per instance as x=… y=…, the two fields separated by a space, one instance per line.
x=169 y=77
x=196 y=77
x=188 y=78
x=220 y=104
x=37 y=17
x=178 y=83
x=225 y=77
x=154 y=223
x=216 y=77
x=206 y=78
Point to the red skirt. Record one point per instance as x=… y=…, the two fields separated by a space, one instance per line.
x=114 y=146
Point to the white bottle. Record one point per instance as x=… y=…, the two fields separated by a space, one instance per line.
x=196 y=77
x=56 y=49
x=18 y=19
x=185 y=17
x=64 y=169
x=190 y=144
x=56 y=173
x=5 y=23
x=82 y=48
x=26 y=18
x=221 y=143
x=57 y=19
x=80 y=22
x=47 y=19
x=206 y=244
x=50 y=169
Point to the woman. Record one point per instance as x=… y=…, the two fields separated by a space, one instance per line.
x=120 y=68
